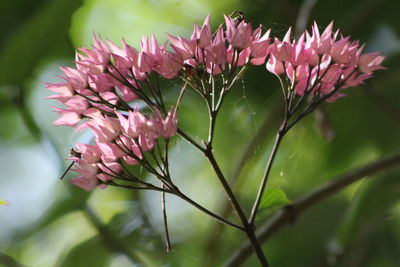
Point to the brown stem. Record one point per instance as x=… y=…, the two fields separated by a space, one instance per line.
x=206 y=211
x=212 y=245
x=267 y=171
x=286 y=214
x=249 y=229
x=9 y=261
x=108 y=238
x=190 y=140
x=168 y=242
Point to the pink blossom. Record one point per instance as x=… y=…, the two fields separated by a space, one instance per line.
x=105 y=128
x=259 y=46
x=67 y=117
x=88 y=183
x=202 y=36
x=87 y=179
x=170 y=65
x=275 y=66
x=184 y=47
x=110 y=152
x=216 y=52
x=238 y=35
x=96 y=93
x=370 y=62
x=89 y=154
x=64 y=90
x=109 y=170
x=77 y=79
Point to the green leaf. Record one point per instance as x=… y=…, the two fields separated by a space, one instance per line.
x=89 y=253
x=274 y=198
x=4 y=203
x=45 y=33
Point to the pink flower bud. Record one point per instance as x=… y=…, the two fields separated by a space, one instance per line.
x=275 y=66
x=370 y=62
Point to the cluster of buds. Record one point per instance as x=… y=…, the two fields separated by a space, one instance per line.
x=118 y=141
x=109 y=82
x=321 y=64
x=98 y=95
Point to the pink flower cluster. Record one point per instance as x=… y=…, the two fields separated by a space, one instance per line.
x=321 y=63
x=125 y=137
x=98 y=93
x=234 y=43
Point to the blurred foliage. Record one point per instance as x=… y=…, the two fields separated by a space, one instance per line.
x=359 y=227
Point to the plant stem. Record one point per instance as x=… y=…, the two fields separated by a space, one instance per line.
x=249 y=229
x=190 y=140
x=289 y=213
x=213 y=246
x=278 y=139
x=208 y=152
x=9 y=261
x=109 y=238
x=168 y=242
x=206 y=211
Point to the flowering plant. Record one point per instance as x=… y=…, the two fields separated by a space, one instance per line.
x=114 y=92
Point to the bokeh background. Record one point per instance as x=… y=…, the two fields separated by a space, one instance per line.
x=49 y=222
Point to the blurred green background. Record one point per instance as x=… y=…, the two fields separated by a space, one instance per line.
x=49 y=222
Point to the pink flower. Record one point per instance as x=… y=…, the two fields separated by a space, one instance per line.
x=283 y=49
x=105 y=128
x=170 y=124
x=216 y=52
x=67 y=117
x=96 y=93
x=370 y=62
x=185 y=48
x=322 y=43
x=340 y=51
x=275 y=66
x=85 y=182
x=77 y=79
x=124 y=57
x=90 y=154
x=259 y=47
x=170 y=65
x=109 y=171
x=102 y=82
x=110 y=152
x=299 y=54
x=202 y=36
x=239 y=36
x=87 y=179
x=64 y=90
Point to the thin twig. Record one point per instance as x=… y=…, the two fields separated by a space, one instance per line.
x=289 y=213
x=9 y=261
x=212 y=245
x=109 y=238
x=190 y=140
x=236 y=206
x=208 y=212
x=168 y=241
x=208 y=153
x=278 y=139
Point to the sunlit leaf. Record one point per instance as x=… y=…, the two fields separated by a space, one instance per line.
x=273 y=198
x=4 y=203
x=89 y=253
x=41 y=35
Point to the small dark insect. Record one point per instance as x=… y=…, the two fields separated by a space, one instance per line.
x=189 y=70
x=192 y=72
x=74 y=154
x=237 y=16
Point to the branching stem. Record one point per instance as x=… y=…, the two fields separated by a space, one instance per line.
x=288 y=213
